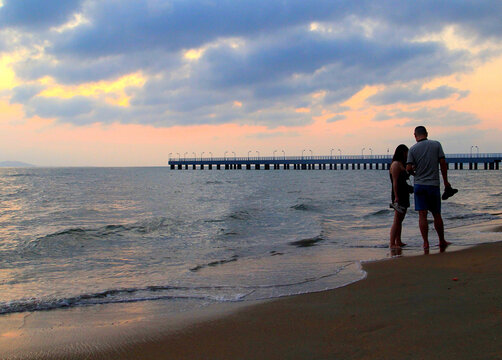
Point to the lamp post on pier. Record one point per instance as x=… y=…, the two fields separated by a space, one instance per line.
x=284 y=154
x=179 y=156
x=362 y=152
x=274 y=154
x=331 y=154
x=211 y=155
x=249 y=153
x=371 y=150
x=340 y=151
x=225 y=156
x=185 y=156
x=202 y=153
x=235 y=156
x=302 y=153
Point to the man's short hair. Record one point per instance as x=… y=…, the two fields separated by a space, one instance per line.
x=420 y=130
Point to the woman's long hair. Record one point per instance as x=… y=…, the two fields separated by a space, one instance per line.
x=400 y=154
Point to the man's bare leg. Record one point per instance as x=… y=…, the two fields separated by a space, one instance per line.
x=424 y=227
x=439 y=226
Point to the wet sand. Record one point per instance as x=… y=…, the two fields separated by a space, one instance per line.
x=437 y=306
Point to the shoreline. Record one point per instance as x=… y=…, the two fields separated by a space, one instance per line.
x=411 y=307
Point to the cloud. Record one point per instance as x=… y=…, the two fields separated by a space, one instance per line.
x=337 y=118
x=272 y=56
x=22 y=94
x=61 y=108
x=309 y=60
x=383 y=116
x=272 y=73
x=460 y=141
x=440 y=116
x=36 y=14
x=413 y=93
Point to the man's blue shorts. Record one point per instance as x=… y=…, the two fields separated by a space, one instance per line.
x=427 y=197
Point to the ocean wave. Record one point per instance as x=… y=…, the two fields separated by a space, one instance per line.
x=240 y=215
x=302 y=207
x=307 y=242
x=382 y=212
x=215 y=263
x=122 y=296
x=21 y=175
x=15 y=194
x=480 y=216
x=81 y=233
x=369 y=246
x=218 y=293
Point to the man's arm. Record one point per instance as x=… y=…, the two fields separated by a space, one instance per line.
x=410 y=163
x=444 y=171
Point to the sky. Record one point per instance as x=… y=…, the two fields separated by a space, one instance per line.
x=133 y=82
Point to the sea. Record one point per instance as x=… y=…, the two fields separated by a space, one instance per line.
x=91 y=236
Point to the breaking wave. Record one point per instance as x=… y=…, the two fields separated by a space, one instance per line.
x=220 y=293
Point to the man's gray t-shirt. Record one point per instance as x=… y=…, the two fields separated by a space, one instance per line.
x=425 y=155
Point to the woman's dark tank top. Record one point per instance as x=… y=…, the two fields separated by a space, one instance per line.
x=402 y=189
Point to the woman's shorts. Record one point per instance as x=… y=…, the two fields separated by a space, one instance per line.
x=427 y=197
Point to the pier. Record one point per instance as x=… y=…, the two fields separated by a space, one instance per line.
x=489 y=161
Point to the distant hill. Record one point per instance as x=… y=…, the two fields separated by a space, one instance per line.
x=15 y=164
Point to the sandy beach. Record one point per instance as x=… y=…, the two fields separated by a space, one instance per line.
x=437 y=306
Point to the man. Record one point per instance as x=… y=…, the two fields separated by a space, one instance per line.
x=424 y=160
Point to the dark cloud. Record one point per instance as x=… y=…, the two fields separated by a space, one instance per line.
x=265 y=75
x=119 y=26
x=37 y=14
x=476 y=19
x=413 y=94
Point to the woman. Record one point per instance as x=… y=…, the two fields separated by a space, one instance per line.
x=400 y=194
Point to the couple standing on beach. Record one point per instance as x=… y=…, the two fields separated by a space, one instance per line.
x=423 y=160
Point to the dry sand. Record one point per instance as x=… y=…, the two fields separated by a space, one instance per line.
x=438 y=306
